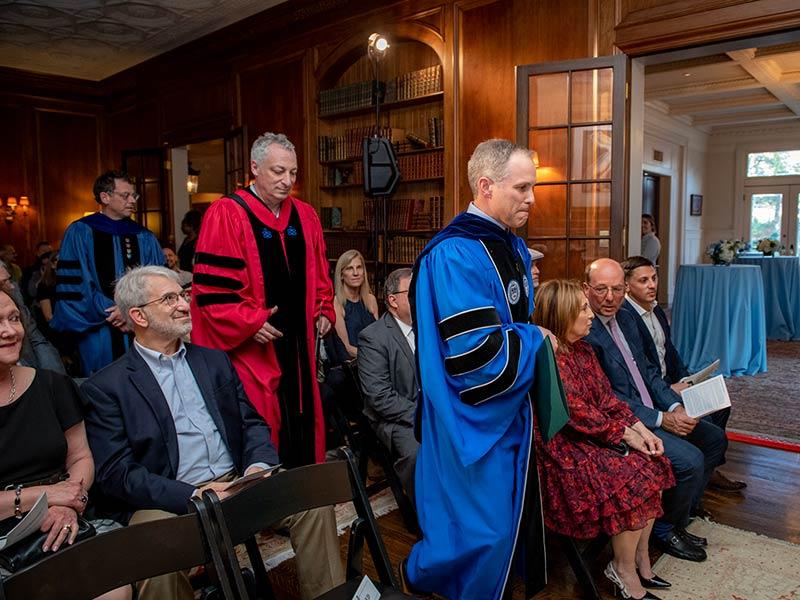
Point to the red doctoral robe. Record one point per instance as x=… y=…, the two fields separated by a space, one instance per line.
x=230 y=305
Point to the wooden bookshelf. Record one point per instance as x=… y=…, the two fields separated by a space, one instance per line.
x=417 y=209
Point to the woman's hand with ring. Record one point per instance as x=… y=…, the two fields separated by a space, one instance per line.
x=62 y=524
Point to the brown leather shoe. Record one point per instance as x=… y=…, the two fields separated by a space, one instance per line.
x=718 y=481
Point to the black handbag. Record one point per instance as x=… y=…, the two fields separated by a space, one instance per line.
x=29 y=550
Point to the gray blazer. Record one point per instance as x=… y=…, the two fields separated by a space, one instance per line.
x=388 y=377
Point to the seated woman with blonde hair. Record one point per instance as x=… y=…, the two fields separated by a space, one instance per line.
x=603 y=473
x=355 y=305
x=43 y=446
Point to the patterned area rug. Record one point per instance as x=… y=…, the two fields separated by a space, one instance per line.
x=741 y=566
x=276 y=548
x=769 y=403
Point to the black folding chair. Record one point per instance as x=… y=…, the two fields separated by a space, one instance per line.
x=239 y=518
x=119 y=557
x=580 y=560
x=370 y=446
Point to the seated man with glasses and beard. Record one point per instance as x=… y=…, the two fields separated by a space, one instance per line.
x=96 y=250
x=171 y=419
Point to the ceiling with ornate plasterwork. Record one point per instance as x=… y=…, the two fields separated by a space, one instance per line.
x=93 y=39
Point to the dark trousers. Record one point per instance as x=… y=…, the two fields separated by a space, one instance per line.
x=720 y=419
x=693 y=459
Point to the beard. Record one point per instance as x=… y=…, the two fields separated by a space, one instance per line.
x=170 y=328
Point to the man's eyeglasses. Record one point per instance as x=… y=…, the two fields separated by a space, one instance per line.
x=602 y=290
x=398 y=292
x=126 y=195
x=170 y=299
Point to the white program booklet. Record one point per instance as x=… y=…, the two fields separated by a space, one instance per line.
x=702 y=374
x=367 y=590
x=706 y=397
x=29 y=524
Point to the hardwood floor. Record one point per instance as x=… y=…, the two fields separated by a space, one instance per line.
x=770 y=505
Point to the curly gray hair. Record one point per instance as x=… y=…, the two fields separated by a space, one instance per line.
x=261 y=146
x=133 y=288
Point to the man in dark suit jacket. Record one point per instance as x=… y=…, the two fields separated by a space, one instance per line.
x=641 y=284
x=170 y=419
x=693 y=446
x=387 y=371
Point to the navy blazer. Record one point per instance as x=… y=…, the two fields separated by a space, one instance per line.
x=676 y=370
x=616 y=370
x=132 y=433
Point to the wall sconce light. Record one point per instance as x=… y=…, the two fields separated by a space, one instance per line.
x=535 y=158
x=192 y=180
x=9 y=212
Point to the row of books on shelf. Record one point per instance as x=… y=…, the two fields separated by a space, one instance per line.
x=414 y=84
x=421 y=166
x=337 y=245
x=436 y=131
x=404 y=248
x=348 y=145
x=408 y=214
x=407 y=86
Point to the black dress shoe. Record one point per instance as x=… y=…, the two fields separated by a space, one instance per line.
x=694 y=540
x=676 y=546
x=718 y=481
x=656 y=583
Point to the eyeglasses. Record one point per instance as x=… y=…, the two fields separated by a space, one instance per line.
x=170 y=299
x=126 y=195
x=398 y=292
x=602 y=290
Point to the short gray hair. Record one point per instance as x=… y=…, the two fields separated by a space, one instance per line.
x=490 y=159
x=261 y=146
x=392 y=283
x=133 y=288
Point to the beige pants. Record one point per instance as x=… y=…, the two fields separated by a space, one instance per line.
x=315 y=544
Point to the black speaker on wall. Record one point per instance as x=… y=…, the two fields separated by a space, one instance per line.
x=380 y=167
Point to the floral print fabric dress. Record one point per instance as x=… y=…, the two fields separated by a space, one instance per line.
x=588 y=489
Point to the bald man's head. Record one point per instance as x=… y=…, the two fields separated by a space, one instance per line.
x=604 y=286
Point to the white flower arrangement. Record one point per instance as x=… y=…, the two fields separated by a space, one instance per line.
x=767 y=246
x=723 y=252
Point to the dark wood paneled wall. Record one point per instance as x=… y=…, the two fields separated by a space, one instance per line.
x=264 y=73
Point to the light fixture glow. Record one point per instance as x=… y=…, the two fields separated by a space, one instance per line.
x=377 y=46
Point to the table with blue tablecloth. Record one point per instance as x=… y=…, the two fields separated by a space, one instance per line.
x=718 y=312
x=781 y=276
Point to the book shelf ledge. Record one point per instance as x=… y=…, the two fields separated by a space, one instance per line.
x=386 y=106
x=358 y=159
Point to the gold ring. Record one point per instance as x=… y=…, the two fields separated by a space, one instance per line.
x=67 y=527
x=84 y=499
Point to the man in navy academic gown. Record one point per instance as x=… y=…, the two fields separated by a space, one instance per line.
x=95 y=252
x=472 y=294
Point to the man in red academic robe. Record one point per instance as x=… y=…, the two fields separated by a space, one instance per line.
x=261 y=292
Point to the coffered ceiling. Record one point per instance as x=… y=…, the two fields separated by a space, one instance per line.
x=753 y=85
x=93 y=39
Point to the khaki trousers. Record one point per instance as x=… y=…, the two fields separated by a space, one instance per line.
x=314 y=540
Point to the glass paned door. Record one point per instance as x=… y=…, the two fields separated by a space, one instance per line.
x=774 y=213
x=572 y=114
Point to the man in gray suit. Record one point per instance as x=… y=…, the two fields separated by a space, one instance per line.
x=387 y=371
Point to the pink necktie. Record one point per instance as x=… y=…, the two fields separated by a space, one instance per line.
x=630 y=363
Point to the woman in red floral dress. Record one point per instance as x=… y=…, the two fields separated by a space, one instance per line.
x=589 y=487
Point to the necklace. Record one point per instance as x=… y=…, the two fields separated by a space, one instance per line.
x=12 y=393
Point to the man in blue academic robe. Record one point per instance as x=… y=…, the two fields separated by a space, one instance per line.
x=472 y=294
x=95 y=252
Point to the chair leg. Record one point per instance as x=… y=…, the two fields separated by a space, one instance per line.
x=581 y=570
x=355 y=549
x=263 y=585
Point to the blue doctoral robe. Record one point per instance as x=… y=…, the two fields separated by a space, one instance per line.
x=94 y=253
x=471 y=298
